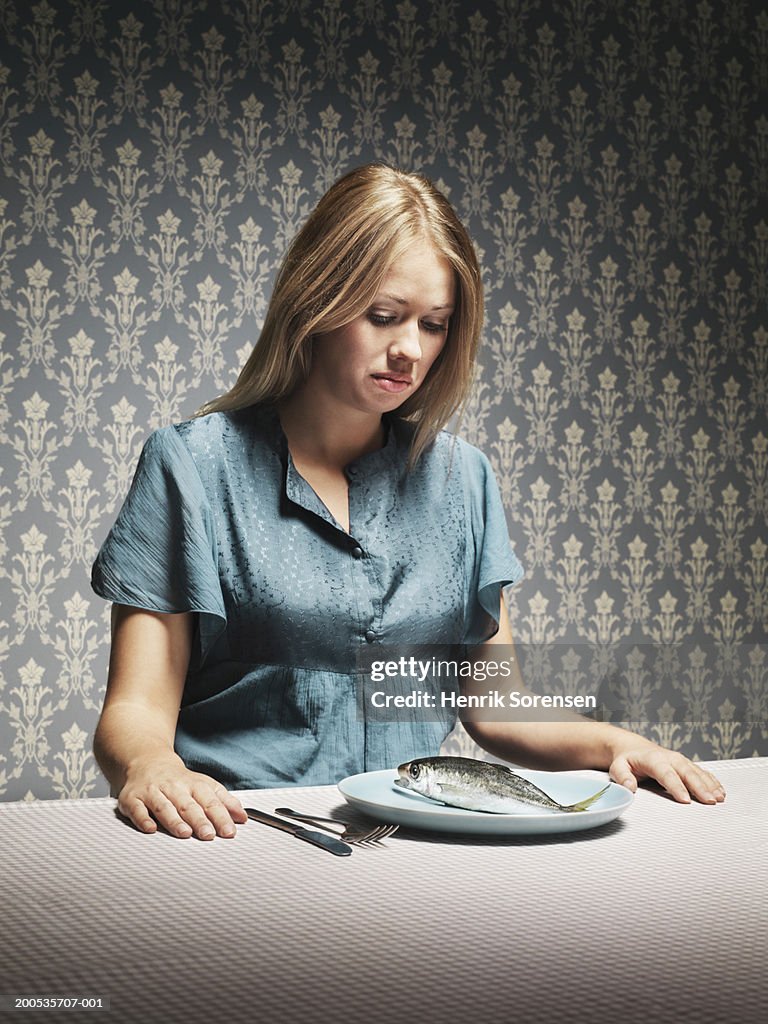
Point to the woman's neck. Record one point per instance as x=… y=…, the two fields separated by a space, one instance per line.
x=328 y=437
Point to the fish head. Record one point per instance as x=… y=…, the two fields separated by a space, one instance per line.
x=418 y=776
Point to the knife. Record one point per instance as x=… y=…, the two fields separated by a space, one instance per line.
x=328 y=843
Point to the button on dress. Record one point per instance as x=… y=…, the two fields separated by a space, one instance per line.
x=219 y=521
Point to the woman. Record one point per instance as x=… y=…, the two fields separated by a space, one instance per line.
x=315 y=509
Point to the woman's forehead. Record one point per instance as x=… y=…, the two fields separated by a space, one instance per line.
x=420 y=273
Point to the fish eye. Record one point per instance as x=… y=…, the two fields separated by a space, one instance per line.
x=415 y=770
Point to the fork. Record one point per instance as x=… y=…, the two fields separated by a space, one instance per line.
x=349 y=834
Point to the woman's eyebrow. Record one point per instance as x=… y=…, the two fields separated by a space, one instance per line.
x=404 y=302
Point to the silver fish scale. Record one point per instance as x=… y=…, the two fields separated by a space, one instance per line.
x=482 y=785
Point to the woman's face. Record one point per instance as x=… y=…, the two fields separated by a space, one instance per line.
x=377 y=361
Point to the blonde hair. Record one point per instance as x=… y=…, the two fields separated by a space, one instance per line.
x=331 y=274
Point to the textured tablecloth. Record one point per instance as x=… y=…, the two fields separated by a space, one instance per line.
x=659 y=916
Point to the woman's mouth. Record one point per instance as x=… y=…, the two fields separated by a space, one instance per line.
x=392 y=382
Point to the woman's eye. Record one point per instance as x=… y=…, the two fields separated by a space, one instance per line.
x=385 y=319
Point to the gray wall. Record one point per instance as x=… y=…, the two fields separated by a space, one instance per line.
x=611 y=162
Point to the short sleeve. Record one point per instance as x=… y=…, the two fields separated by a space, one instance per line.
x=161 y=553
x=493 y=564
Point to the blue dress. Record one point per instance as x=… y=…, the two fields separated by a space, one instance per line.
x=219 y=521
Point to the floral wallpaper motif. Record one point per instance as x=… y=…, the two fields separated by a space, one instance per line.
x=610 y=158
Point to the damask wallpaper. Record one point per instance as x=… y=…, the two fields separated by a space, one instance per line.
x=610 y=158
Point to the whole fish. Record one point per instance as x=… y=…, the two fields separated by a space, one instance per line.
x=480 y=786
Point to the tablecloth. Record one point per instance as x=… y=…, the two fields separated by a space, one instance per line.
x=659 y=916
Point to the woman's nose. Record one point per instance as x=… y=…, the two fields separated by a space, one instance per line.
x=405 y=343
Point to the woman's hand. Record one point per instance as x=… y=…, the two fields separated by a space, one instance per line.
x=185 y=803
x=133 y=743
x=638 y=758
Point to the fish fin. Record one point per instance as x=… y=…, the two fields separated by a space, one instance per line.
x=447 y=792
x=582 y=805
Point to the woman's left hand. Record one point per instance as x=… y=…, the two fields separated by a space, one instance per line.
x=679 y=776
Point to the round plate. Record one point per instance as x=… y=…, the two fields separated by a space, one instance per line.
x=376 y=795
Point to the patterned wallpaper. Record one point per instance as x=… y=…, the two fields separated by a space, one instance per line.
x=611 y=161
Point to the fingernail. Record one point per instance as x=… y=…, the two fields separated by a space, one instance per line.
x=227 y=832
x=206 y=832
x=183 y=830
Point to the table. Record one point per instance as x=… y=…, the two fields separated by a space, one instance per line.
x=659 y=916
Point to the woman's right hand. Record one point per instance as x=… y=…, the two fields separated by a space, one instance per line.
x=185 y=803
x=134 y=739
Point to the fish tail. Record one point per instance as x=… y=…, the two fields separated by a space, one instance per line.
x=582 y=805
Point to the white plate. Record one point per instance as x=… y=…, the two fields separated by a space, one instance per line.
x=376 y=795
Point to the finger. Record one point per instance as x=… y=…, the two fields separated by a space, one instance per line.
x=193 y=812
x=236 y=809
x=136 y=811
x=718 y=787
x=671 y=781
x=714 y=784
x=621 y=772
x=217 y=811
x=168 y=814
x=704 y=786
x=233 y=805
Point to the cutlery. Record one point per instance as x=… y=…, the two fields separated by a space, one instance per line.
x=373 y=834
x=334 y=846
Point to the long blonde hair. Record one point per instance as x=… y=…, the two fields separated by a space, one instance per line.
x=331 y=274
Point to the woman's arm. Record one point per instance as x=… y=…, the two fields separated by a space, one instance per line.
x=573 y=742
x=133 y=743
